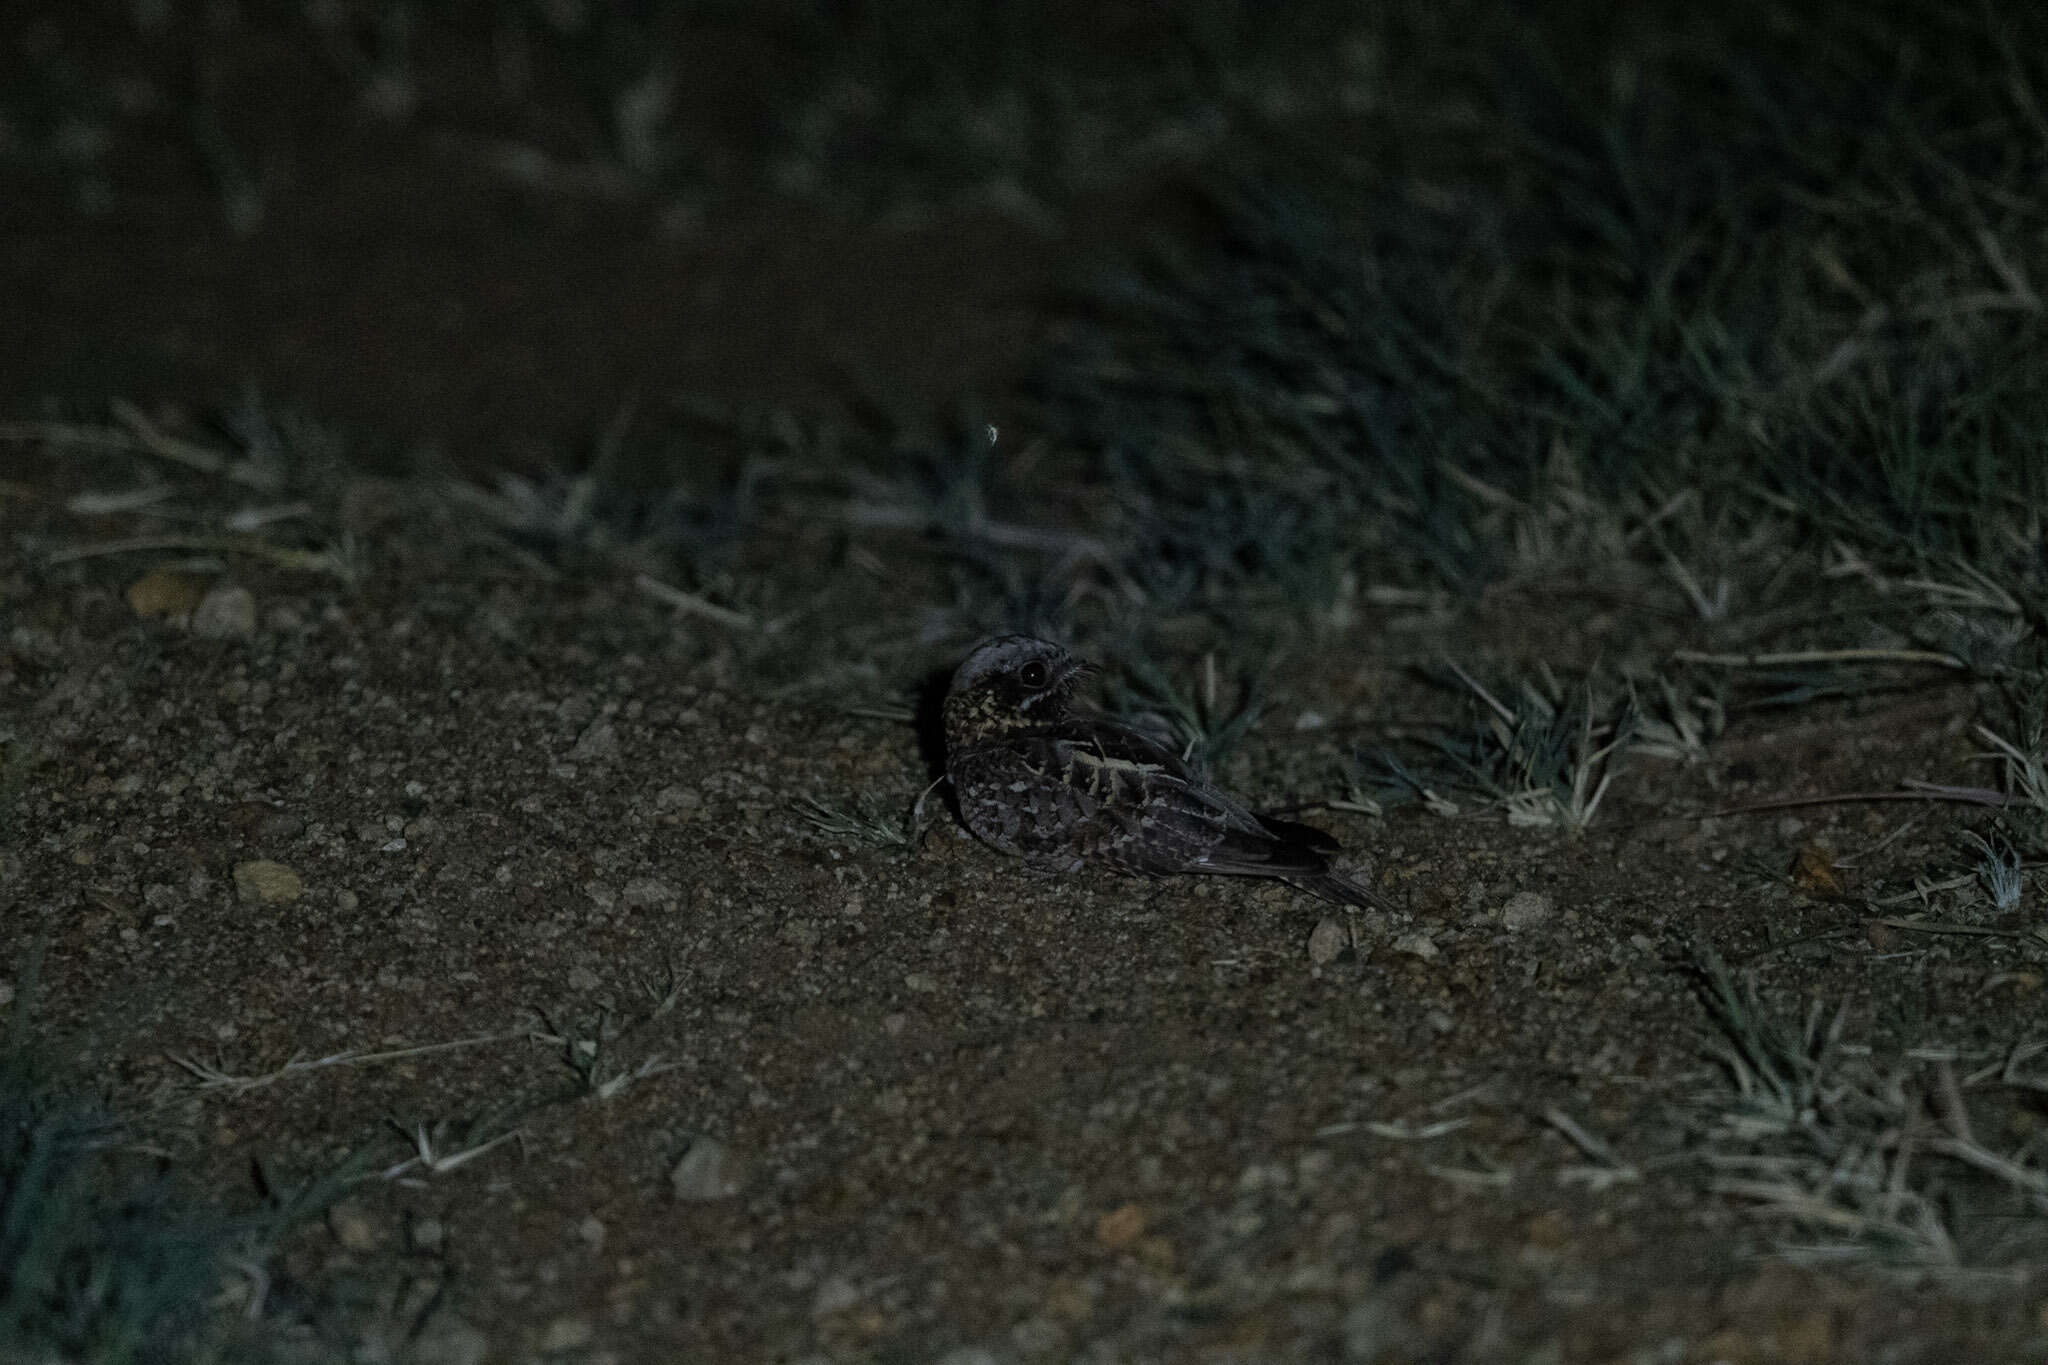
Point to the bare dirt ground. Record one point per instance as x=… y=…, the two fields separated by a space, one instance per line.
x=468 y=898
x=762 y=1093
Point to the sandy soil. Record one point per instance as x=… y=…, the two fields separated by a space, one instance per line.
x=772 y=1094
x=489 y=883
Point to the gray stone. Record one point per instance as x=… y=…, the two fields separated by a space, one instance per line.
x=1525 y=910
x=709 y=1170
x=227 y=612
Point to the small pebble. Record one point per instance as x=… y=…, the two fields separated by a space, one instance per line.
x=566 y=1334
x=1120 y=1228
x=353 y=1227
x=835 y=1294
x=227 y=612
x=1374 y=1328
x=1327 y=941
x=1417 y=944
x=707 y=1171
x=598 y=744
x=447 y=1339
x=644 y=893
x=165 y=592
x=1039 y=1336
x=1524 y=910
x=677 y=798
x=263 y=882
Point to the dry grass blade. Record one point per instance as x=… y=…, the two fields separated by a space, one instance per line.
x=1552 y=760
x=1822 y=656
x=425 y=1158
x=1406 y=1132
x=864 y=823
x=284 y=556
x=591 y=1057
x=1608 y=1169
x=2026 y=770
x=212 y=1077
x=137 y=434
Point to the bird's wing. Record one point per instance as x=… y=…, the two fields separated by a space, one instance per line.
x=1175 y=821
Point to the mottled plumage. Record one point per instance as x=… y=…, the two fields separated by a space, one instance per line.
x=1061 y=788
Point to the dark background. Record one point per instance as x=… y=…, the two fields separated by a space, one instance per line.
x=481 y=231
x=485 y=225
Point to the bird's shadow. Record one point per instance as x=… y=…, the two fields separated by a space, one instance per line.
x=930 y=721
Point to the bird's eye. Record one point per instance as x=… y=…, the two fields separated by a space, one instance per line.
x=1032 y=675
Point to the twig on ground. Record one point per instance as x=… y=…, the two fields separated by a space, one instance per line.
x=692 y=604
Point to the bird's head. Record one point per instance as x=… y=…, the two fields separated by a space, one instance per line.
x=1011 y=682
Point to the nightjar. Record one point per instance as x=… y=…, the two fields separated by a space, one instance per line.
x=1036 y=778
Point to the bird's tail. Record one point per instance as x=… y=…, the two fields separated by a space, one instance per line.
x=1339 y=889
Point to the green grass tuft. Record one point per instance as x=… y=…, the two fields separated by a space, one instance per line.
x=98 y=1261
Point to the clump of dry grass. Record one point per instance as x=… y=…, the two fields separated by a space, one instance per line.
x=1866 y=1161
